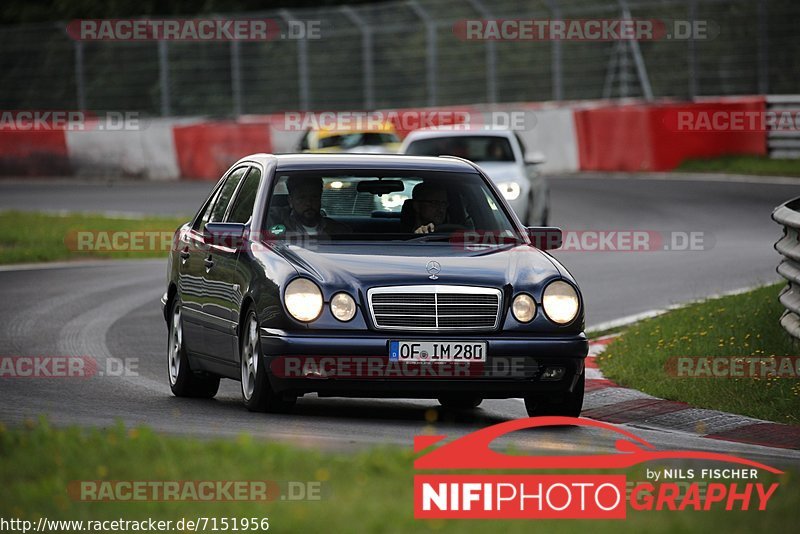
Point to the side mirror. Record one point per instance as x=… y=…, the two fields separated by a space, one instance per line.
x=545 y=237
x=534 y=158
x=224 y=234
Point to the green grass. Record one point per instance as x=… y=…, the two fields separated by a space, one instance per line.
x=740 y=325
x=743 y=165
x=36 y=237
x=369 y=491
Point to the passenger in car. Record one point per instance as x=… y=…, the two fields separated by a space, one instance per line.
x=303 y=215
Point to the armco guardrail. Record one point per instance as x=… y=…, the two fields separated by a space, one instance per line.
x=788 y=215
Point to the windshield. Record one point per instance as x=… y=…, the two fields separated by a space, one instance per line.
x=471 y=147
x=385 y=206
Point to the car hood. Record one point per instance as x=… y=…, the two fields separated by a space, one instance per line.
x=501 y=171
x=361 y=266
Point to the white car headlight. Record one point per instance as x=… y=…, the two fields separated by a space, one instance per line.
x=510 y=190
x=343 y=307
x=523 y=307
x=560 y=302
x=303 y=299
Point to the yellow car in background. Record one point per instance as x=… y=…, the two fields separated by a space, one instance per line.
x=382 y=139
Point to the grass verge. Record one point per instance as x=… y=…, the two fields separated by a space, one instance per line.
x=368 y=491
x=744 y=325
x=743 y=165
x=37 y=237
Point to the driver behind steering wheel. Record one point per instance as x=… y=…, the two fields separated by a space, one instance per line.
x=430 y=205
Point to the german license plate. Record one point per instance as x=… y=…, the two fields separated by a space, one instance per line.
x=437 y=351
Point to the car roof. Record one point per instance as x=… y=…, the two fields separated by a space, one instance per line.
x=310 y=161
x=449 y=131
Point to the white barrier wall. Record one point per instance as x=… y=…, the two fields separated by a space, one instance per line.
x=147 y=152
x=284 y=141
x=553 y=134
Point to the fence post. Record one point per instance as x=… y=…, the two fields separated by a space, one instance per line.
x=304 y=88
x=236 y=78
x=641 y=69
x=763 y=48
x=430 y=59
x=163 y=77
x=366 y=55
x=691 y=60
x=80 y=86
x=556 y=67
x=491 y=56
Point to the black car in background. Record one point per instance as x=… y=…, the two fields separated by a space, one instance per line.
x=309 y=274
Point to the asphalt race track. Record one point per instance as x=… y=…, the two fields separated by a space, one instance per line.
x=110 y=311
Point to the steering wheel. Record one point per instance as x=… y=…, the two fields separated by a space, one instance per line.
x=449 y=227
x=441 y=232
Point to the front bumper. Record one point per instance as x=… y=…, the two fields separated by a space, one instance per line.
x=336 y=364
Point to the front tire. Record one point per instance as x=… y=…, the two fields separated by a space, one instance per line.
x=569 y=405
x=257 y=394
x=182 y=380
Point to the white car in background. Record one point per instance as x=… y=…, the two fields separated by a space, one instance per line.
x=502 y=156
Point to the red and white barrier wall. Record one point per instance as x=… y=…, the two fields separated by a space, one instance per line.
x=574 y=136
x=658 y=137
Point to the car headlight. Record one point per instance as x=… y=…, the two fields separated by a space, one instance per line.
x=343 y=307
x=303 y=299
x=510 y=190
x=523 y=307
x=560 y=302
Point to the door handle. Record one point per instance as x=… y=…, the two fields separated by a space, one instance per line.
x=209 y=261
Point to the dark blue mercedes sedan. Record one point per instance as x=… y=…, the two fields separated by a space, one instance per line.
x=371 y=276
